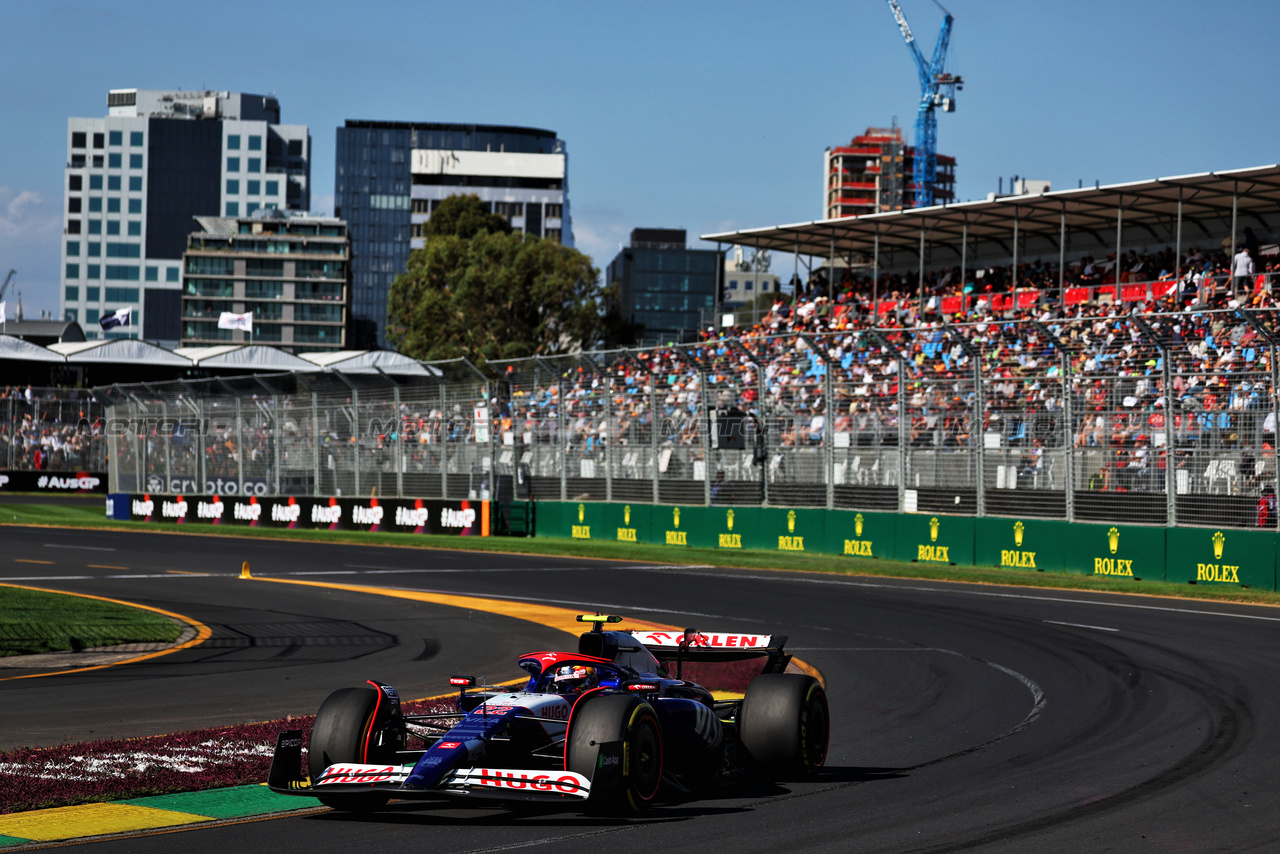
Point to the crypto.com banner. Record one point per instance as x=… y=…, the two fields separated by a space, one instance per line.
x=407 y=515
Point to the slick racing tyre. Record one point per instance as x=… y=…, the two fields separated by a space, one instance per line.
x=615 y=741
x=784 y=724
x=339 y=734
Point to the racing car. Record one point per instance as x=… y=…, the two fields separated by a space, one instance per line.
x=610 y=728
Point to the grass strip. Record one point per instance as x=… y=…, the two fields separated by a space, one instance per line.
x=36 y=621
x=91 y=517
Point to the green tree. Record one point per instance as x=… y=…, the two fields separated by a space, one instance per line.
x=487 y=294
x=464 y=216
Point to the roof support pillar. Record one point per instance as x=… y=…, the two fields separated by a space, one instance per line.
x=1119 y=238
x=831 y=267
x=1015 y=259
x=1062 y=252
x=920 y=304
x=1177 y=248
x=964 y=260
x=795 y=273
x=1235 y=198
x=875 y=279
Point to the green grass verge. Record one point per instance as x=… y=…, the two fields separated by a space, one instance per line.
x=91 y=517
x=35 y=621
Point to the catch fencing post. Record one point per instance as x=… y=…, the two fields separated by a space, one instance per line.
x=562 y=439
x=239 y=448
x=315 y=443
x=828 y=458
x=398 y=457
x=168 y=443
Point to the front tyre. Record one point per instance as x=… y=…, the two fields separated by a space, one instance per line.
x=340 y=734
x=784 y=724
x=615 y=741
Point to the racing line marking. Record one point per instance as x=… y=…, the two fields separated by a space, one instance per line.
x=85 y=548
x=103 y=566
x=26 y=560
x=1082 y=626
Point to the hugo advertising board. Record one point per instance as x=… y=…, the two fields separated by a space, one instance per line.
x=413 y=516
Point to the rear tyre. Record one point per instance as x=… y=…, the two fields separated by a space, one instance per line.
x=784 y=725
x=625 y=785
x=341 y=728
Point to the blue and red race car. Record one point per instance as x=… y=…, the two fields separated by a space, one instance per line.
x=612 y=727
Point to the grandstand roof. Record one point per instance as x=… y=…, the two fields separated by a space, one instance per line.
x=117 y=350
x=1145 y=204
x=369 y=362
x=12 y=347
x=245 y=357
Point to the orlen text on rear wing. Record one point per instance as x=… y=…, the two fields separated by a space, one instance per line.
x=693 y=645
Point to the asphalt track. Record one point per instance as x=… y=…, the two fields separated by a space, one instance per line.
x=964 y=717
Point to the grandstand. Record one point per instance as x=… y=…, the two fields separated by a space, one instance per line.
x=1141 y=392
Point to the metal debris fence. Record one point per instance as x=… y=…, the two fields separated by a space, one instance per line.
x=1148 y=419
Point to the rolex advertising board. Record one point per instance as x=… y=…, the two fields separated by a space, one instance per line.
x=1222 y=556
x=630 y=523
x=1116 y=551
x=788 y=530
x=940 y=540
x=1032 y=544
x=862 y=534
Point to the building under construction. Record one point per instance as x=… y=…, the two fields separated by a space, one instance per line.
x=873 y=174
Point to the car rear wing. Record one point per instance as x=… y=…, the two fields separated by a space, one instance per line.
x=693 y=645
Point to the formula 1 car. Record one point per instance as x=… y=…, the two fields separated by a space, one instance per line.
x=610 y=728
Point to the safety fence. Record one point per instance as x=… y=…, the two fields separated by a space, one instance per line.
x=1124 y=418
x=51 y=430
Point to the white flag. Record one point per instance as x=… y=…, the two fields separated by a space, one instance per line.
x=2 y=316
x=228 y=320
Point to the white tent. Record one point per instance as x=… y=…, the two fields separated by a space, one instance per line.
x=245 y=357
x=24 y=351
x=370 y=362
x=117 y=351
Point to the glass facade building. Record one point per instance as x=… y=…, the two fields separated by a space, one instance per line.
x=664 y=285
x=136 y=179
x=390 y=176
x=290 y=271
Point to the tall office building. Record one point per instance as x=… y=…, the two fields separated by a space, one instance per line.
x=390 y=176
x=136 y=179
x=664 y=285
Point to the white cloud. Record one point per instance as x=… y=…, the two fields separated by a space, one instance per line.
x=322 y=204
x=600 y=233
x=30 y=231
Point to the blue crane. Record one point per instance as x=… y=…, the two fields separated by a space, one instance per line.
x=937 y=89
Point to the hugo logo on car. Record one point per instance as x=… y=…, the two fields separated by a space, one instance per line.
x=343 y=773
x=562 y=782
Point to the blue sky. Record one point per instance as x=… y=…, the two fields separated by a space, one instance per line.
x=705 y=116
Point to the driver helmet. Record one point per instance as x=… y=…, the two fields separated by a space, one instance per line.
x=573 y=679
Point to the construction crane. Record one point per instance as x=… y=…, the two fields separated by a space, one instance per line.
x=937 y=90
x=7 y=280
